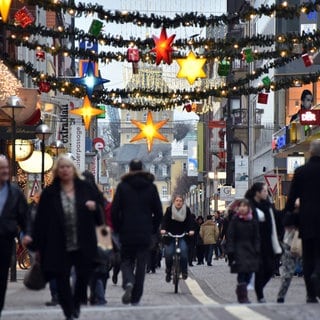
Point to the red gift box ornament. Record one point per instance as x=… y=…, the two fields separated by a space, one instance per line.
x=133 y=55
x=187 y=107
x=24 y=17
x=40 y=55
x=263 y=98
x=307 y=60
x=44 y=86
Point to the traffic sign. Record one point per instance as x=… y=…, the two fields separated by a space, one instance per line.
x=272 y=181
x=35 y=188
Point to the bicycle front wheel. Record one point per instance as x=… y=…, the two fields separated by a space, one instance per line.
x=176 y=274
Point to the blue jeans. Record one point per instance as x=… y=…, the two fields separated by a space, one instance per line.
x=209 y=253
x=169 y=252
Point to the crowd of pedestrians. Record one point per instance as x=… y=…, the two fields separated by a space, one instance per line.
x=252 y=235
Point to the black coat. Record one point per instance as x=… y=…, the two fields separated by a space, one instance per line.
x=305 y=185
x=15 y=213
x=136 y=209
x=243 y=243
x=49 y=231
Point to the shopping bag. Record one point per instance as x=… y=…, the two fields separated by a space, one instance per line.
x=296 y=245
x=34 y=278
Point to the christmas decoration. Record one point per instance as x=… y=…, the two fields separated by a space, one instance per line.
x=247 y=55
x=266 y=81
x=87 y=112
x=9 y=84
x=263 y=98
x=24 y=17
x=163 y=47
x=89 y=80
x=95 y=27
x=187 y=107
x=4 y=9
x=307 y=60
x=191 y=68
x=44 y=86
x=40 y=55
x=133 y=55
x=224 y=68
x=149 y=131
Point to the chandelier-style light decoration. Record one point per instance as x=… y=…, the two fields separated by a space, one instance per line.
x=4 y=9
x=87 y=112
x=149 y=131
x=90 y=81
x=163 y=47
x=9 y=84
x=191 y=68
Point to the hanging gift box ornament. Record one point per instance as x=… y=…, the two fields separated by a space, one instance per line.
x=44 y=86
x=263 y=98
x=95 y=27
x=224 y=68
x=266 y=81
x=307 y=60
x=40 y=55
x=24 y=17
x=247 y=54
x=133 y=55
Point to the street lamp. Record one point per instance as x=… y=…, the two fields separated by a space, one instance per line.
x=42 y=132
x=57 y=147
x=12 y=108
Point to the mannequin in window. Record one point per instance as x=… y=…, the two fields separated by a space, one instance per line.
x=306 y=103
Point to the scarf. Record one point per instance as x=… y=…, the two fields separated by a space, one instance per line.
x=179 y=215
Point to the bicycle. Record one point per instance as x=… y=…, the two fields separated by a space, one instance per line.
x=176 y=259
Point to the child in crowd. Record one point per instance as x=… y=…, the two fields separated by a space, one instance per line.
x=243 y=243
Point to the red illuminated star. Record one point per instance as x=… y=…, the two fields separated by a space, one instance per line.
x=149 y=131
x=163 y=47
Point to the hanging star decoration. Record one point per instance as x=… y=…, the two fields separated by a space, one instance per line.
x=89 y=80
x=87 y=112
x=191 y=67
x=163 y=47
x=4 y=9
x=149 y=131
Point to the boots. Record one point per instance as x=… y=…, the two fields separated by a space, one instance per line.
x=242 y=293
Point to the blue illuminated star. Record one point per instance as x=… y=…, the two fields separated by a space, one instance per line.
x=89 y=80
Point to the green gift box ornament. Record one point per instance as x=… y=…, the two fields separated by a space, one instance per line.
x=247 y=53
x=95 y=27
x=224 y=68
x=266 y=81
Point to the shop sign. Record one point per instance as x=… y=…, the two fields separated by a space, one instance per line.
x=279 y=139
x=310 y=117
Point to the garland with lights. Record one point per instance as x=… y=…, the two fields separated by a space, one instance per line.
x=192 y=19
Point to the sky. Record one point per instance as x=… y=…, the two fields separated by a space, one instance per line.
x=119 y=73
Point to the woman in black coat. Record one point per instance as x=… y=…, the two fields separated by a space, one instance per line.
x=243 y=247
x=270 y=249
x=64 y=233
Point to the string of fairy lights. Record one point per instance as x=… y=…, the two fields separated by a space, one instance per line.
x=282 y=48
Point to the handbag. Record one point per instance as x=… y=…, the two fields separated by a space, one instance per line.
x=34 y=278
x=104 y=239
x=296 y=245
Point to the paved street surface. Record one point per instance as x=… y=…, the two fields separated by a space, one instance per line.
x=207 y=294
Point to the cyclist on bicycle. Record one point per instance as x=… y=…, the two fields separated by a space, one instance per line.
x=177 y=220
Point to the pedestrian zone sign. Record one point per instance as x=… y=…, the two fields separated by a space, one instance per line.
x=272 y=181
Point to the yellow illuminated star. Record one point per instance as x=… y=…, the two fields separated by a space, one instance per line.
x=191 y=67
x=87 y=112
x=149 y=131
x=4 y=9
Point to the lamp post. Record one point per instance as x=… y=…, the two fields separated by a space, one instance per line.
x=12 y=108
x=42 y=132
x=57 y=147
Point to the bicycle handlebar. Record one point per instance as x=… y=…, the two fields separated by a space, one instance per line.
x=169 y=234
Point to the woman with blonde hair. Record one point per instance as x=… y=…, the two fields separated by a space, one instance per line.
x=64 y=233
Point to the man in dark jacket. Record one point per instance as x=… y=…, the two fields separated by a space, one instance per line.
x=136 y=214
x=13 y=214
x=305 y=186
